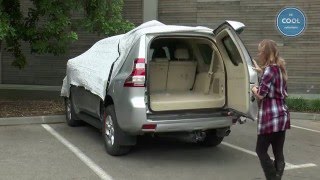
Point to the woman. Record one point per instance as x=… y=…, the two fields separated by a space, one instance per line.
x=273 y=117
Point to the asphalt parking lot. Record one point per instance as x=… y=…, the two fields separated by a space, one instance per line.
x=56 y=151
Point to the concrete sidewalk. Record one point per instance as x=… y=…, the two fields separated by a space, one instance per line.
x=305 y=116
x=12 y=121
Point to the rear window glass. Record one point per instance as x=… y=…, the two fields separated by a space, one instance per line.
x=232 y=50
x=206 y=52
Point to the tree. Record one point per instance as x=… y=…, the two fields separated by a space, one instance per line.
x=50 y=27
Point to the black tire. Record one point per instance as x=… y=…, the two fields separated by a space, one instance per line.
x=70 y=114
x=110 y=133
x=211 y=139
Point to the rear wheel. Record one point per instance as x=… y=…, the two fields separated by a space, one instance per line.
x=110 y=132
x=211 y=139
x=70 y=114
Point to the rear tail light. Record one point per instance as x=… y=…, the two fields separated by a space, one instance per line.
x=137 y=77
x=149 y=127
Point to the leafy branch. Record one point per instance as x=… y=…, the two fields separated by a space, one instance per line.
x=50 y=26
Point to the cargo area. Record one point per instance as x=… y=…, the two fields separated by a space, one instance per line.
x=185 y=73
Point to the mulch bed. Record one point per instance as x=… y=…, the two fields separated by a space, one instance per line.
x=21 y=108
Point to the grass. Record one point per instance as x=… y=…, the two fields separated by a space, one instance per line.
x=303 y=105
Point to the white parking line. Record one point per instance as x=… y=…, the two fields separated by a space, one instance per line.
x=305 y=128
x=289 y=166
x=92 y=165
x=300 y=166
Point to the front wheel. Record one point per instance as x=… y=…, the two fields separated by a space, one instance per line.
x=211 y=139
x=110 y=133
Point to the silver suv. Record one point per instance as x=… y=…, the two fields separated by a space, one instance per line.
x=171 y=82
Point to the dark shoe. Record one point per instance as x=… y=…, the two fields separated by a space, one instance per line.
x=269 y=170
x=279 y=169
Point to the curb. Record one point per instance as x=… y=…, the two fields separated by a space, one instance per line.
x=32 y=120
x=305 y=116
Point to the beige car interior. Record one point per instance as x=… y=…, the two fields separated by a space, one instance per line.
x=186 y=82
x=238 y=76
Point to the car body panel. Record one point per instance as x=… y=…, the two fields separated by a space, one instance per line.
x=86 y=106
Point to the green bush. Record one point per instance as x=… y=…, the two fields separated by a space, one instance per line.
x=303 y=105
x=315 y=105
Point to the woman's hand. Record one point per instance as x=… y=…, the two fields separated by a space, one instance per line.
x=256 y=67
x=255 y=90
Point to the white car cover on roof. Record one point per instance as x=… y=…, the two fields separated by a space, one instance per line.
x=92 y=68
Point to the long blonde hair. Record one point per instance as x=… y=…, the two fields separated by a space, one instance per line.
x=269 y=54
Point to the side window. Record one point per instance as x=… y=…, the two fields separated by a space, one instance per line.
x=206 y=52
x=232 y=50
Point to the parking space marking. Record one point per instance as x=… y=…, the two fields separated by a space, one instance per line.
x=289 y=166
x=300 y=166
x=305 y=128
x=92 y=165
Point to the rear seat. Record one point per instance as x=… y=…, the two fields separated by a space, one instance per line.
x=181 y=73
x=158 y=69
x=158 y=74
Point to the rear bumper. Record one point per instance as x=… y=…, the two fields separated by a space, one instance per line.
x=132 y=115
x=190 y=124
x=133 y=122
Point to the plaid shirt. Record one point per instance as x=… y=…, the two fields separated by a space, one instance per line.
x=273 y=112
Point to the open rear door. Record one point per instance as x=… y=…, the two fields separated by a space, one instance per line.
x=238 y=63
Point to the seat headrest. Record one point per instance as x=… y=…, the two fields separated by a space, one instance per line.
x=181 y=53
x=159 y=53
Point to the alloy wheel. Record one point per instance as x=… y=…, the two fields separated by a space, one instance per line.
x=109 y=130
x=69 y=109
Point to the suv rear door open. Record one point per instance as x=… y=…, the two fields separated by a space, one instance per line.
x=238 y=63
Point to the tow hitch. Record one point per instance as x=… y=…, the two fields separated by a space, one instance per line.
x=199 y=136
x=236 y=117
